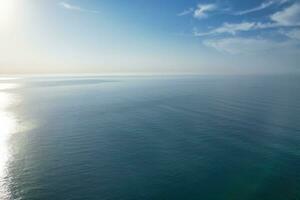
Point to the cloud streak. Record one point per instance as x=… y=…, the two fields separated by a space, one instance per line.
x=224 y=37
x=186 y=12
x=202 y=10
x=233 y=29
x=262 y=6
x=290 y=16
x=241 y=45
x=293 y=34
x=69 y=6
x=229 y=28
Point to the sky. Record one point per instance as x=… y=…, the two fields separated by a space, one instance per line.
x=150 y=37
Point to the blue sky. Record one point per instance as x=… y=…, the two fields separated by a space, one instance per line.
x=167 y=36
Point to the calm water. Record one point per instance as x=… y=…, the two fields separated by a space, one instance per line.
x=132 y=138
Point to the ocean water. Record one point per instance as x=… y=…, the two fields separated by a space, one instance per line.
x=159 y=137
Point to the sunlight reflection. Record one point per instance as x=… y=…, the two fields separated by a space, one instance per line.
x=8 y=86
x=8 y=126
x=2 y=78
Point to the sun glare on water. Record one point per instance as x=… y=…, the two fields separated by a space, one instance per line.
x=8 y=126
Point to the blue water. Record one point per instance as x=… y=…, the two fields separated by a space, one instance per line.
x=132 y=138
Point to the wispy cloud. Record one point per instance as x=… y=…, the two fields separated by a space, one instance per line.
x=186 y=12
x=234 y=28
x=240 y=45
x=290 y=16
x=286 y=19
x=258 y=8
x=229 y=28
x=292 y=34
x=69 y=6
x=202 y=10
x=262 y=6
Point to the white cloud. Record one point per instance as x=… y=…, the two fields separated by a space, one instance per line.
x=262 y=6
x=246 y=45
x=293 y=34
x=233 y=29
x=230 y=28
x=290 y=16
x=186 y=12
x=258 y=8
x=69 y=6
x=202 y=9
x=286 y=18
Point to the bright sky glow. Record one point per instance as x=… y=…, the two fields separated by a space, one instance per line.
x=7 y=12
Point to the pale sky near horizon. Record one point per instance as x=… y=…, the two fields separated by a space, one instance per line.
x=134 y=36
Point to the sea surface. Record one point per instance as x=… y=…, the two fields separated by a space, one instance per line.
x=150 y=137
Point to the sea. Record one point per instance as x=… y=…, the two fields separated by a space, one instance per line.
x=167 y=137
